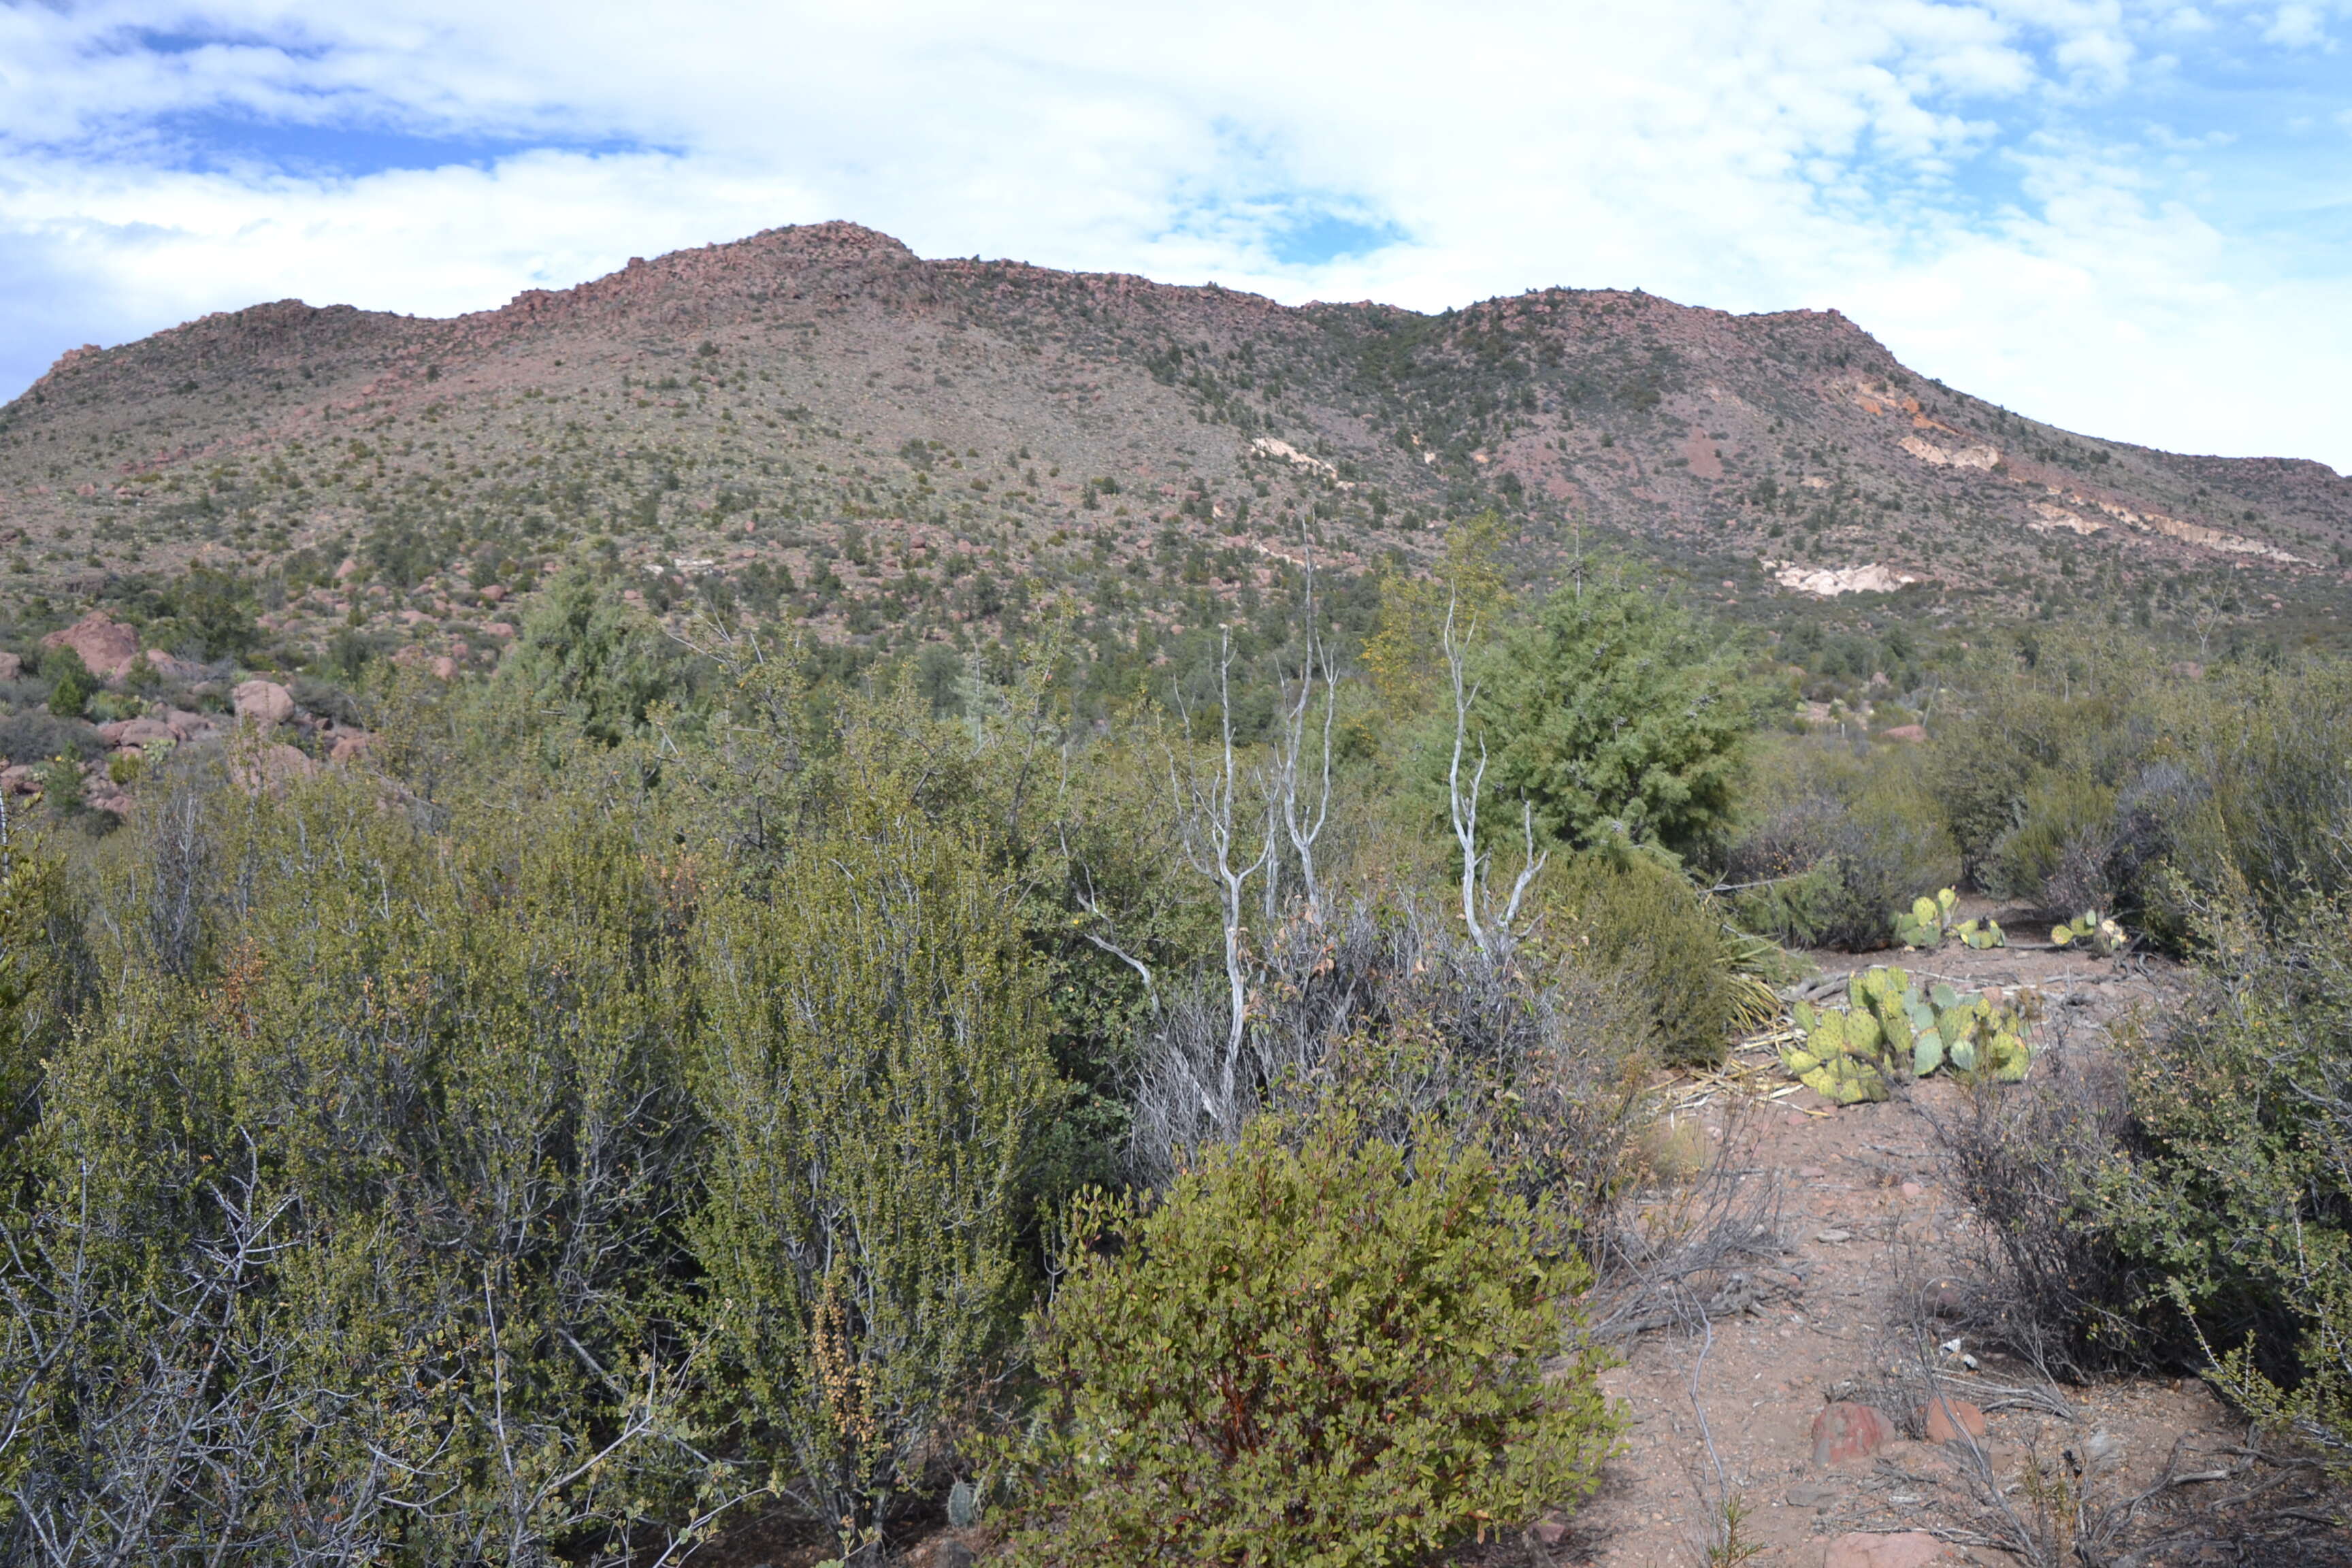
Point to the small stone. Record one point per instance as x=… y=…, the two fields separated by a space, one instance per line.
x=1899 y=1549
x=1552 y=1530
x=1912 y=1189
x=1834 y=1235
x=1811 y=1495
x=1847 y=1431
x=1947 y=1419
x=1811 y=1172
x=2100 y=1446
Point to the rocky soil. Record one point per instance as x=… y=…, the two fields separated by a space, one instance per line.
x=1809 y=1403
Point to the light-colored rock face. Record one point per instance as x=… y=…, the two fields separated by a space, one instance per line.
x=10 y=667
x=1829 y=581
x=265 y=702
x=1974 y=455
x=106 y=646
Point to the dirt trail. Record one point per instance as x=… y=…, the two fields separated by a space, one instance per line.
x=1730 y=1411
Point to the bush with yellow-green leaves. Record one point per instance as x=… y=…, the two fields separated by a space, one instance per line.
x=1322 y=1352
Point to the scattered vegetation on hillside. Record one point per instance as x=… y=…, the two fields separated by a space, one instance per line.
x=684 y=1071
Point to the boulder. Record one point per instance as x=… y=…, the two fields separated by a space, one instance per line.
x=443 y=668
x=171 y=668
x=187 y=726
x=1947 y=1419
x=271 y=765
x=1845 y=1431
x=350 y=746
x=1897 y=1548
x=107 y=647
x=146 y=732
x=137 y=732
x=10 y=667
x=22 y=779
x=265 y=702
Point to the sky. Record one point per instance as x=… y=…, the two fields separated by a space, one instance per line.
x=2131 y=220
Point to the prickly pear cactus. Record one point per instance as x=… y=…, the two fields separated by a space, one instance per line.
x=1928 y=921
x=1980 y=934
x=2091 y=930
x=1840 y=1059
x=1889 y=1024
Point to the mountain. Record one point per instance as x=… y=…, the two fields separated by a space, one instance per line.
x=817 y=422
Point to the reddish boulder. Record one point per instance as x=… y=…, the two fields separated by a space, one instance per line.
x=1847 y=1431
x=265 y=702
x=272 y=767
x=106 y=646
x=137 y=732
x=1947 y=1418
x=10 y=667
x=171 y=668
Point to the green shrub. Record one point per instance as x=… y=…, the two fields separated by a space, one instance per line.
x=1625 y=912
x=875 y=1084
x=2056 y=857
x=584 y=654
x=1618 y=715
x=1832 y=842
x=1315 y=1357
x=2240 y=1185
x=70 y=682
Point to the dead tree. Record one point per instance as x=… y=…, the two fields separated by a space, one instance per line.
x=1305 y=804
x=1462 y=804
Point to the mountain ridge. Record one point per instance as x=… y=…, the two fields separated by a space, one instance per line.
x=766 y=398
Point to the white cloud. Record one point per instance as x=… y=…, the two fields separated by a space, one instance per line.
x=1878 y=155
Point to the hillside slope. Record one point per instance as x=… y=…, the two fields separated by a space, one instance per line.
x=884 y=445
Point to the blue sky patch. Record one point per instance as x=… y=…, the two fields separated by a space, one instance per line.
x=214 y=142
x=1311 y=239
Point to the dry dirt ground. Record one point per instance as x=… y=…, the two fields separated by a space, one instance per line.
x=1722 y=1405
x=1870 y=1231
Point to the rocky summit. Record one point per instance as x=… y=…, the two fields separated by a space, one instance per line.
x=816 y=416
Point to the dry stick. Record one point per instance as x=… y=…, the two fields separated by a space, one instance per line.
x=1721 y=1507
